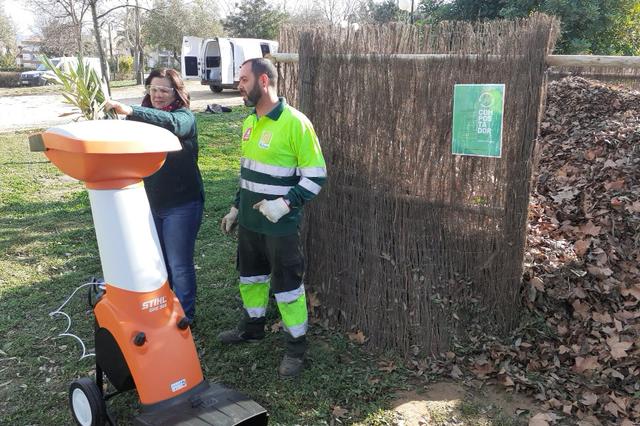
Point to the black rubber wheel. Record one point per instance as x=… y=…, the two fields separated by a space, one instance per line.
x=86 y=403
x=215 y=89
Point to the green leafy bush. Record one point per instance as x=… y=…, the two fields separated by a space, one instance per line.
x=9 y=78
x=125 y=64
x=16 y=69
x=8 y=60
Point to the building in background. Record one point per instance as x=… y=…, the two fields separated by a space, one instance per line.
x=28 y=53
x=162 y=58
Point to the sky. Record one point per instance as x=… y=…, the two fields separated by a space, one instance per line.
x=24 y=19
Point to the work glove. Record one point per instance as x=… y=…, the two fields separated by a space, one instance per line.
x=229 y=221
x=273 y=209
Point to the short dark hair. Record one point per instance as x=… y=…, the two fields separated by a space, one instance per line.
x=182 y=96
x=261 y=66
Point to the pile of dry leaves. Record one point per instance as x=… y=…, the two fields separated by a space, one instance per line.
x=578 y=350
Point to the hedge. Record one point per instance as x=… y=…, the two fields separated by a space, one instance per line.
x=9 y=78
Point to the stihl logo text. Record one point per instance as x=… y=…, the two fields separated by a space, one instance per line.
x=155 y=304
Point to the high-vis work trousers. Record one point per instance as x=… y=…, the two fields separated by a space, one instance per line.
x=267 y=262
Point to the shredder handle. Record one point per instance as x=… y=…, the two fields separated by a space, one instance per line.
x=36 y=143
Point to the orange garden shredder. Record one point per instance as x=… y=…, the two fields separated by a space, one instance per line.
x=142 y=337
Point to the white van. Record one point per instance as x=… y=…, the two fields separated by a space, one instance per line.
x=43 y=75
x=216 y=61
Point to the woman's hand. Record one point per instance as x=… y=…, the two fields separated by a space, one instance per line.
x=118 y=107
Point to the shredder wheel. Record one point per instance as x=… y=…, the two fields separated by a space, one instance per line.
x=87 y=404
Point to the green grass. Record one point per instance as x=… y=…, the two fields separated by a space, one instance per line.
x=52 y=89
x=48 y=248
x=122 y=83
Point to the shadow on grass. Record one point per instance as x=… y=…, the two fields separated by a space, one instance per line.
x=46 y=227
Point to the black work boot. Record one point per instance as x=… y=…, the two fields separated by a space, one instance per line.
x=290 y=366
x=236 y=335
x=249 y=330
x=293 y=361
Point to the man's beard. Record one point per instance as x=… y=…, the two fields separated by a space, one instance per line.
x=253 y=97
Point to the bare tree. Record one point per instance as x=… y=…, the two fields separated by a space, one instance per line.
x=7 y=31
x=139 y=54
x=57 y=37
x=227 y=6
x=339 y=11
x=96 y=29
x=306 y=16
x=70 y=11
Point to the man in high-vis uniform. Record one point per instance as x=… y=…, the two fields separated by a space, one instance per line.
x=282 y=168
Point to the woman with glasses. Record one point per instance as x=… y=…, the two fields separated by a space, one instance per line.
x=175 y=192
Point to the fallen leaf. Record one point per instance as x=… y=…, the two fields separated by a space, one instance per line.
x=634 y=207
x=567 y=194
x=581 y=246
x=339 y=412
x=456 y=373
x=621 y=402
x=589 y=398
x=540 y=419
x=612 y=408
x=633 y=291
x=314 y=300
x=582 y=309
x=357 y=337
x=387 y=367
x=589 y=421
x=275 y=327
x=618 y=349
x=537 y=283
x=585 y=364
x=599 y=272
x=505 y=380
x=602 y=318
x=615 y=185
x=613 y=373
x=590 y=229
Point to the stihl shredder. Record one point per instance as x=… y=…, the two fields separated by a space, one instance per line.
x=143 y=340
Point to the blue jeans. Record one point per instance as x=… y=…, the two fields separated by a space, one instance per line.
x=177 y=230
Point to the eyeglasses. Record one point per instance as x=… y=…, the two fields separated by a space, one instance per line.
x=162 y=90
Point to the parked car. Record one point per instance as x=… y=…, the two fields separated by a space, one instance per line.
x=43 y=75
x=33 y=78
x=216 y=61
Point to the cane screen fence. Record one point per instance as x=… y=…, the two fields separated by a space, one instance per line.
x=407 y=242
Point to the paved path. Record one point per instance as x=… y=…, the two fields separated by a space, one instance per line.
x=38 y=111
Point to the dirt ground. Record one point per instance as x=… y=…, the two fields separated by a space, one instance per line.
x=448 y=403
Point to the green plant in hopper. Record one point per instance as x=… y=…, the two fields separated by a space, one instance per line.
x=82 y=88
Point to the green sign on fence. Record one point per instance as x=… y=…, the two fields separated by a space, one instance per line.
x=477 y=119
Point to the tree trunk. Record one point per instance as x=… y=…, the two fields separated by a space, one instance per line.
x=96 y=30
x=177 y=59
x=139 y=57
x=79 y=38
x=111 y=46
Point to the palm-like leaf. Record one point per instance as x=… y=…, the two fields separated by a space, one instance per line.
x=82 y=88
